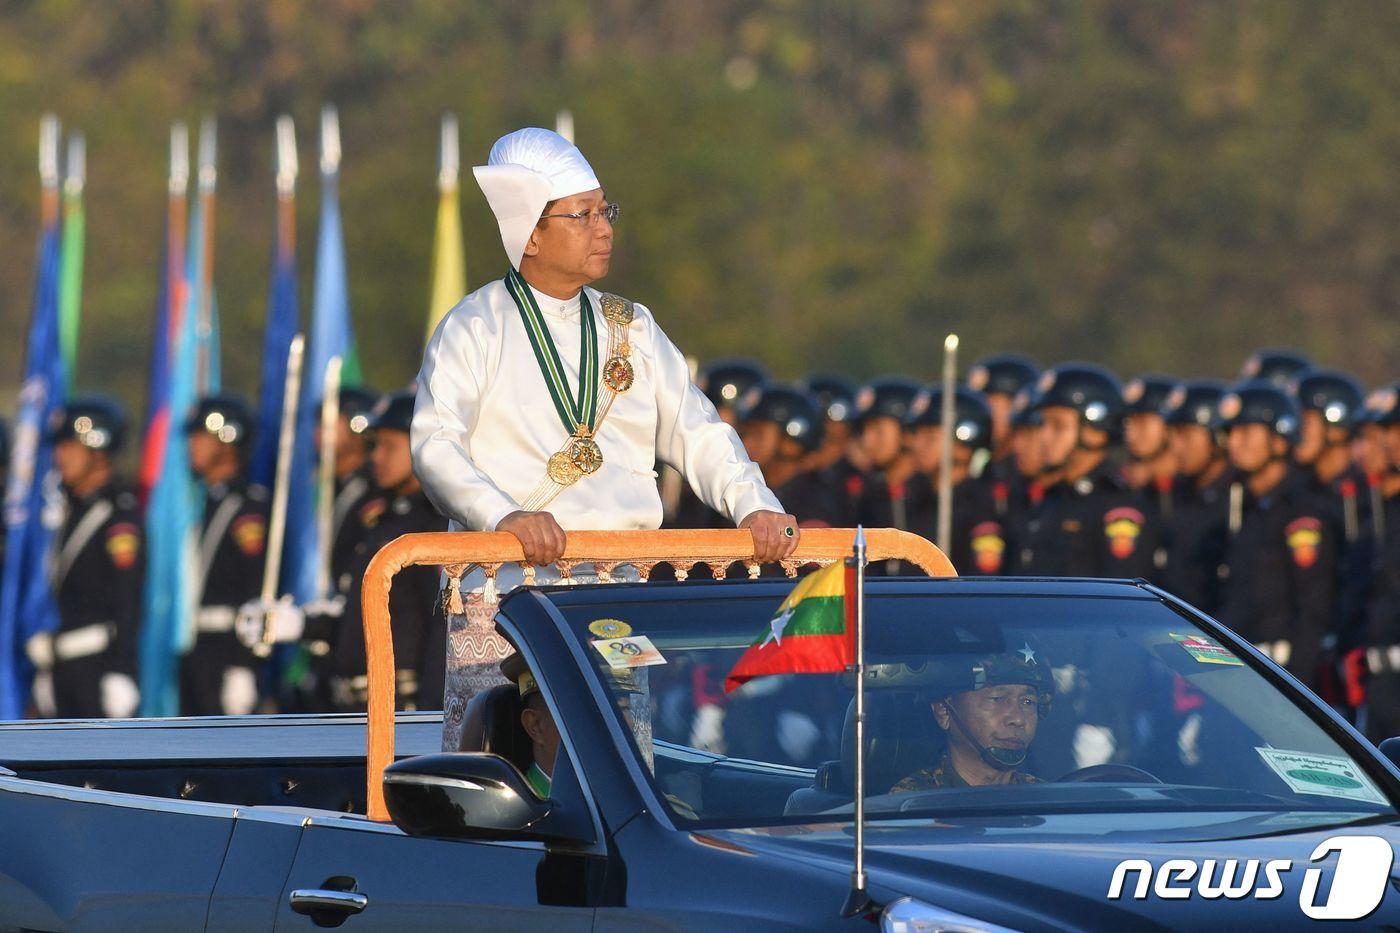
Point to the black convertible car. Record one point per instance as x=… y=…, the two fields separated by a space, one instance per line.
x=1175 y=778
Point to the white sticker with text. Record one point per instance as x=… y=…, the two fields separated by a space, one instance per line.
x=1324 y=775
x=623 y=653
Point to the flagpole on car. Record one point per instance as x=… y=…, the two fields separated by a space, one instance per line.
x=858 y=901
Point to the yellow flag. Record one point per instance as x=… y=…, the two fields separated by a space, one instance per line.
x=449 y=258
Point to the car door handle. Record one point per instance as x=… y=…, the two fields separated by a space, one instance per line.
x=321 y=904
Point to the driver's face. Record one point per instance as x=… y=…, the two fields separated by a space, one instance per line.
x=996 y=717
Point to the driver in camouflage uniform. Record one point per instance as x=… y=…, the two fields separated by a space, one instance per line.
x=989 y=709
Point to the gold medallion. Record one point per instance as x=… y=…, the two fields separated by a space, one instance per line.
x=617 y=309
x=562 y=469
x=585 y=454
x=618 y=374
x=624 y=349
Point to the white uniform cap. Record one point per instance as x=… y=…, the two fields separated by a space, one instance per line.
x=525 y=171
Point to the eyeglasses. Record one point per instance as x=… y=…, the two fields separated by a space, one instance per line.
x=589 y=218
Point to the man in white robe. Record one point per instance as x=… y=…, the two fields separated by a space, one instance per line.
x=498 y=395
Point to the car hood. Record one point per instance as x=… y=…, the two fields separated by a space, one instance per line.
x=1055 y=871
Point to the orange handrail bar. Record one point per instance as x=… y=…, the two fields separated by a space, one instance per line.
x=459 y=550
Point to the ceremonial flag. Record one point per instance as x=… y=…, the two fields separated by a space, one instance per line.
x=177 y=501
x=170 y=303
x=283 y=321
x=331 y=335
x=70 y=285
x=813 y=631
x=449 y=255
x=32 y=497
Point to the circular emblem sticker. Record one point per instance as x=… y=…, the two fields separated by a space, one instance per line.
x=610 y=628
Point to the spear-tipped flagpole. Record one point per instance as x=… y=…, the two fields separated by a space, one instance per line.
x=49 y=129
x=945 y=453
x=858 y=900
x=449 y=158
x=277 y=520
x=330 y=140
x=204 y=322
x=325 y=502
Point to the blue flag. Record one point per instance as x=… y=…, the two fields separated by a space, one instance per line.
x=331 y=336
x=33 y=502
x=176 y=507
x=281 y=327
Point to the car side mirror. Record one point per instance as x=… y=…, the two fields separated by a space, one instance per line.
x=474 y=795
x=1390 y=748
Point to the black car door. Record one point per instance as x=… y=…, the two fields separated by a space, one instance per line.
x=374 y=877
x=78 y=859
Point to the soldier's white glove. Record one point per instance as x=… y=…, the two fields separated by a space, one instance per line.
x=280 y=619
x=330 y=607
x=42 y=694
x=119 y=695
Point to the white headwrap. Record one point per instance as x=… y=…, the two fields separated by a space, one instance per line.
x=525 y=171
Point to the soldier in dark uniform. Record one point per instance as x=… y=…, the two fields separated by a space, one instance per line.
x=1197 y=532
x=1280 y=590
x=781 y=427
x=217 y=675
x=978 y=533
x=1026 y=485
x=401 y=508
x=725 y=383
x=839 y=458
x=354 y=486
x=1151 y=468
x=1087 y=523
x=1332 y=404
x=1382 y=647
x=990 y=709
x=1000 y=379
x=882 y=406
x=1276 y=365
x=90 y=660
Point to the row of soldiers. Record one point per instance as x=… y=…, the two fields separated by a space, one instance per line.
x=1272 y=504
x=88 y=666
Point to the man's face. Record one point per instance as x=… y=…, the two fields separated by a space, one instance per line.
x=351 y=449
x=1059 y=436
x=763 y=440
x=1145 y=435
x=1003 y=716
x=73 y=461
x=537 y=722
x=206 y=452
x=571 y=248
x=882 y=440
x=1252 y=446
x=1193 y=447
x=1025 y=445
x=391 y=460
x=1000 y=403
x=926 y=445
x=1312 y=438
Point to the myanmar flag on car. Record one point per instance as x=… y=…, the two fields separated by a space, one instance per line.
x=813 y=632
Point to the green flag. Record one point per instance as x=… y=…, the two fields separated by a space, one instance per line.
x=70 y=275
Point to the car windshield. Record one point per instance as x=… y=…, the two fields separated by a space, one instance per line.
x=977 y=703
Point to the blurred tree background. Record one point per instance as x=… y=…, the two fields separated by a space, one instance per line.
x=818 y=183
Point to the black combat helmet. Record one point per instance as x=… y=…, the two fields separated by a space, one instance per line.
x=726 y=382
x=1002 y=374
x=1195 y=402
x=95 y=421
x=887 y=396
x=1383 y=406
x=225 y=416
x=1025 y=412
x=794 y=411
x=835 y=395
x=1261 y=402
x=357 y=407
x=1091 y=390
x=972 y=419
x=1147 y=394
x=1275 y=364
x=1334 y=395
x=393 y=412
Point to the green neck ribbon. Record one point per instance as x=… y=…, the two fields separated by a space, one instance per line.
x=574 y=412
